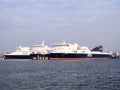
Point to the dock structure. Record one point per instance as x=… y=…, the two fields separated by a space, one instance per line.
x=1 y=56
x=40 y=56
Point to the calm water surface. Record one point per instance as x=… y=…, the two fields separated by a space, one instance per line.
x=59 y=75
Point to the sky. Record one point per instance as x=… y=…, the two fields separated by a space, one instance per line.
x=86 y=22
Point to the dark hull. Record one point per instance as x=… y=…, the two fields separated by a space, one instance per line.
x=17 y=57
x=61 y=56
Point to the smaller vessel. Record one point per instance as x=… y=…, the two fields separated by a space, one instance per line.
x=19 y=53
x=41 y=49
x=39 y=52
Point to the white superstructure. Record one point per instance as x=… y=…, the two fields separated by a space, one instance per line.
x=64 y=48
x=69 y=48
x=73 y=48
x=20 y=51
x=39 y=49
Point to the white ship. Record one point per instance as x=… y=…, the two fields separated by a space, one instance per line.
x=40 y=51
x=68 y=51
x=19 y=53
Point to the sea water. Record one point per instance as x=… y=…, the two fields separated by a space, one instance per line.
x=60 y=75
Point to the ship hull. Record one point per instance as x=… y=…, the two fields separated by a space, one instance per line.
x=17 y=57
x=79 y=58
x=61 y=56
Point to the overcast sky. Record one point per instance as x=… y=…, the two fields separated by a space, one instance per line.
x=86 y=22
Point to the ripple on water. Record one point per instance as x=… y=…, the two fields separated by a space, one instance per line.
x=60 y=75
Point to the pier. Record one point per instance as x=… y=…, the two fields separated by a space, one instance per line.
x=1 y=56
x=40 y=56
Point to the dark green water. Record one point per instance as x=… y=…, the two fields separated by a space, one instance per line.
x=60 y=75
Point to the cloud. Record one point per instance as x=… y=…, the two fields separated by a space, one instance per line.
x=85 y=21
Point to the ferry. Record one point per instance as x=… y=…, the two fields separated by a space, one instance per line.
x=19 y=53
x=73 y=51
x=40 y=52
